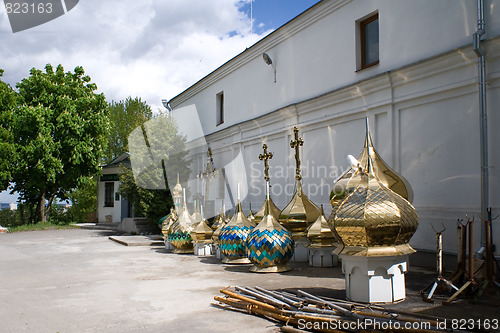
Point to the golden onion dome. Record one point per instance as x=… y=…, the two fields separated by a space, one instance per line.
x=373 y=220
x=250 y=215
x=220 y=219
x=300 y=212
x=216 y=233
x=167 y=223
x=202 y=233
x=386 y=175
x=196 y=217
x=320 y=234
x=177 y=190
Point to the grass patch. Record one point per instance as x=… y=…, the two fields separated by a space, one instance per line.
x=41 y=226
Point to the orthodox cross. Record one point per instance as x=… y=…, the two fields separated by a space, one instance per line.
x=266 y=156
x=208 y=173
x=295 y=144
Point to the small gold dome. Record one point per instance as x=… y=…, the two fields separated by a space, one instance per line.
x=386 y=175
x=196 y=217
x=167 y=223
x=220 y=219
x=177 y=190
x=250 y=216
x=202 y=233
x=216 y=233
x=320 y=234
x=300 y=212
x=373 y=220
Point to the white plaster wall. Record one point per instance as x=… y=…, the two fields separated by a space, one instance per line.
x=316 y=58
x=421 y=103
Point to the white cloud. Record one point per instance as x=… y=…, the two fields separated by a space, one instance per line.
x=150 y=49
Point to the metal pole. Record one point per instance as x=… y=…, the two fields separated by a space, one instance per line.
x=439 y=256
x=483 y=120
x=471 y=250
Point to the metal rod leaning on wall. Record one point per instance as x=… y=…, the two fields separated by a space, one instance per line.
x=471 y=281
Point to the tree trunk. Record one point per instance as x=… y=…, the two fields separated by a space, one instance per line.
x=41 y=208
x=49 y=206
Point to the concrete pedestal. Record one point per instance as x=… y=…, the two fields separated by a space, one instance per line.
x=301 y=252
x=168 y=246
x=322 y=257
x=203 y=249
x=375 y=279
x=218 y=253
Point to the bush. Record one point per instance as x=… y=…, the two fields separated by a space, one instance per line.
x=8 y=218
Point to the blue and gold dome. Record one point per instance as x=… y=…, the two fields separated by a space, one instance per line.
x=269 y=246
x=232 y=238
x=179 y=234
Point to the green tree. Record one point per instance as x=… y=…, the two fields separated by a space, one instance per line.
x=8 y=102
x=124 y=117
x=60 y=132
x=83 y=199
x=158 y=153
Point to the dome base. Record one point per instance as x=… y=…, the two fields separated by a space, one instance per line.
x=183 y=251
x=375 y=279
x=168 y=246
x=203 y=249
x=236 y=260
x=270 y=269
x=322 y=257
x=301 y=252
x=218 y=252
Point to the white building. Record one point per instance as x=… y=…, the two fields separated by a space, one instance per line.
x=415 y=79
x=111 y=207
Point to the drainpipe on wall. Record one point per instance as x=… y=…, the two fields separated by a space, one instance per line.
x=483 y=120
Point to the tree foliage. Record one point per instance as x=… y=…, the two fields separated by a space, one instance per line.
x=8 y=102
x=60 y=131
x=158 y=153
x=83 y=199
x=124 y=117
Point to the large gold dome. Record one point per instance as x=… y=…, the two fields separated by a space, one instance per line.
x=373 y=220
x=386 y=175
x=300 y=212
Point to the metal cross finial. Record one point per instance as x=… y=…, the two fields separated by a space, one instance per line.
x=266 y=156
x=209 y=173
x=296 y=144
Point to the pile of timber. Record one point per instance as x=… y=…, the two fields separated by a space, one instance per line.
x=299 y=311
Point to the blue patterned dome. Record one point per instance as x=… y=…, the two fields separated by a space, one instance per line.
x=232 y=238
x=270 y=246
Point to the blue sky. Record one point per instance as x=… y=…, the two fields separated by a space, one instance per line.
x=274 y=13
x=151 y=49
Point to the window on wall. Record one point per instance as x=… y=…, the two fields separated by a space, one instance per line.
x=109 y=194
x=219 y=104
x=369 y=38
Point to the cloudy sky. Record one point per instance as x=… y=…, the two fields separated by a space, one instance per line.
x=153 y=49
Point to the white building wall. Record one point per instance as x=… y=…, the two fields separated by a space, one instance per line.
x=317 y=53
x=421 y=102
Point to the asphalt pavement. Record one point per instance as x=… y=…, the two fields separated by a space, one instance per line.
x=79 y=280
